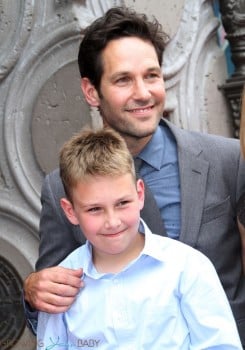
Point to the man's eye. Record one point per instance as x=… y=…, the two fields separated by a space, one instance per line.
x=123 y=80
x=152 y=76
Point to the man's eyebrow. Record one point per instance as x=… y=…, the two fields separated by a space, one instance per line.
x=155 y=68
x=119 y=74
x=127 y=72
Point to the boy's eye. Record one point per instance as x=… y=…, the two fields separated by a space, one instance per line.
x=123 y=203
x=93 y=210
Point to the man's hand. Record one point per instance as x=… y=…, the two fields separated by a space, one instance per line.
x=53 y=289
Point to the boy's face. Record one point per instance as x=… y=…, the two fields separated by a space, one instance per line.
x=132 y=93
x=108 y=210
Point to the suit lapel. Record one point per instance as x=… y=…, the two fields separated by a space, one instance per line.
x=193 y=170
x=193 y=180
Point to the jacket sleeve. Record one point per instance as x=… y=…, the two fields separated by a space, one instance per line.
x=240 y=178
x=58 y=237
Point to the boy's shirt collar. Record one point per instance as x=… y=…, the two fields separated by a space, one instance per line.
x=151 y=249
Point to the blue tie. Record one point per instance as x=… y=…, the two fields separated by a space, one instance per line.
x=150 y=212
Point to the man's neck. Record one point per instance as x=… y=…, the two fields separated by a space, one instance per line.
x=136 y=145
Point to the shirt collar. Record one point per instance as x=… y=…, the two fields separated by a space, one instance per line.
x=155 y=149
x=151 y=248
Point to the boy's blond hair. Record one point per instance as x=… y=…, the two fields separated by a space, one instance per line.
x=94 y=153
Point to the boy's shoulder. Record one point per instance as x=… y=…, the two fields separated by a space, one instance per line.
x=171 y=251
x=76 y=259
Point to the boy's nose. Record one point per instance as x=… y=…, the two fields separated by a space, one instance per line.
x=112 y=220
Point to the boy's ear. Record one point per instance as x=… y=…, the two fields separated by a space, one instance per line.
x=90 y=93
x=141 y=192
x=69 y=211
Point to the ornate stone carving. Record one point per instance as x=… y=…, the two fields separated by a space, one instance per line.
x=15 y=28
x=85 y=14
x=190 y=60
x=18 y=253
x=56 y=50
x=12 y=319
x=233 y=18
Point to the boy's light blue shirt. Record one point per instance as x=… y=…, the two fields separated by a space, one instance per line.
x=160 y=170
x=168 y=298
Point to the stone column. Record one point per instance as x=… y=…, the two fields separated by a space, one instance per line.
x=233 y=18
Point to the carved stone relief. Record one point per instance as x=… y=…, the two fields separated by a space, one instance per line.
x=13 y=33
x=18 y=253
x=50 y=55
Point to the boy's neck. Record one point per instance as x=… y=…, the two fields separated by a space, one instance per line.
x=114 y=263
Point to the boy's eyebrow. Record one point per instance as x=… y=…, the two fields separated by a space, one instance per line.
x=98 y=204
x=86 y=205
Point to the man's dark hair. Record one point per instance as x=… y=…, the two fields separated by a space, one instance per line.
x=117 y=22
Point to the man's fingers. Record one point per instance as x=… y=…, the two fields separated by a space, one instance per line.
x=59 y=300
x=60 y=275
x=53 y=289
x=53 y=309
x=55 y=303
x=62 y=290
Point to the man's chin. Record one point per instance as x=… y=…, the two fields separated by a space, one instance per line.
x=139 y=134
x=136 y=130
x=146 y=131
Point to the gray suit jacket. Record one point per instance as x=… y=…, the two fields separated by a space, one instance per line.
x=212 y=178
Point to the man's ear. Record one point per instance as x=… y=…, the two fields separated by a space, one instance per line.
x=67 y=206
x=90 y=93
x=141 y=192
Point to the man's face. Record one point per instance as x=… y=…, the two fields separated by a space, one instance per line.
x=132 y=92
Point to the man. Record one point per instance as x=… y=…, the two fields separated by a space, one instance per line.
x=195 y=178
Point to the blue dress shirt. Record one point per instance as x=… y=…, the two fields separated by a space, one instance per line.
x=168 y=298
x=160 y=170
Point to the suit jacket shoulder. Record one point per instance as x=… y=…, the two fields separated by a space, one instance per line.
x=58 y=237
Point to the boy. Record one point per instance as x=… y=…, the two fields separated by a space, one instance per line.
x=142 y=291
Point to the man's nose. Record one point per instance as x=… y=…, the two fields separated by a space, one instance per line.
x=141 y=90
